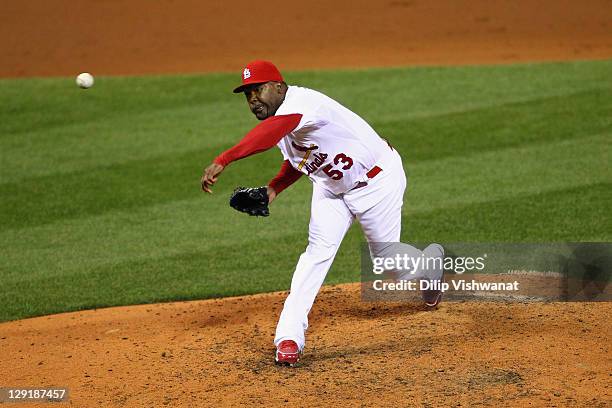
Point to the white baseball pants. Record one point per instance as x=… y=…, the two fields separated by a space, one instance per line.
x=377 y=207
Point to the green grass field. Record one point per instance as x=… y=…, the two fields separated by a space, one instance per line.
x=100 y=188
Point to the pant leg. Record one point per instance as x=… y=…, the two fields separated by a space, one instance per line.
x=378 y=207
x=330 y=218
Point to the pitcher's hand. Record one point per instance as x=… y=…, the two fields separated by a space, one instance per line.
x=211 y=174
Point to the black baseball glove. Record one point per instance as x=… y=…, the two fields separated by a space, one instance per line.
x=251 y=200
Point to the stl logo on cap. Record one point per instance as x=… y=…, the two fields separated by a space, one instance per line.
x=258 y=72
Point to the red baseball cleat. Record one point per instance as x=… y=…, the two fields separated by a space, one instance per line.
x=287 y=353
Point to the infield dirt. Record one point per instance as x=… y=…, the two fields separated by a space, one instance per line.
x=220 y=352
x=64 y=37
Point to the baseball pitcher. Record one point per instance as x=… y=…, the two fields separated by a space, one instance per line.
x=355 y=173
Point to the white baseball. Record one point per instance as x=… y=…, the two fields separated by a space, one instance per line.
x=85 y=80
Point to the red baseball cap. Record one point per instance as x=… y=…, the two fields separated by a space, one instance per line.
x=257 y=72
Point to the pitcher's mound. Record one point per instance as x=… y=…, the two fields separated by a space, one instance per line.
x=220 y=353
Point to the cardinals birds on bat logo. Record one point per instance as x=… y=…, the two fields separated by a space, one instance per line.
x=304 y=149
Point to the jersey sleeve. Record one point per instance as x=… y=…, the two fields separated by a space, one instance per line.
x=261 y=138
x=286 y=176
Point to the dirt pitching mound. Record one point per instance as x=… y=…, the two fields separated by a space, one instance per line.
x=220 y=353
x=65 y=37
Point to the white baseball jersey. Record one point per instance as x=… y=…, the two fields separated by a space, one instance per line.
x=336 y=149
x=333 y=146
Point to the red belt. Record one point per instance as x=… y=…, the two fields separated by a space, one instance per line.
x=373 y=172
